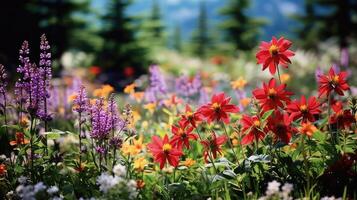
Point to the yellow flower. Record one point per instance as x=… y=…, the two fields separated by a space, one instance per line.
x=150 y=107
x=189 y=162
x=140 y=163
x=135 y=118
x=138 y=144
x=133 y=149
x=285 y=78
x=239 y=83
x=235 y=142
x=130 y=89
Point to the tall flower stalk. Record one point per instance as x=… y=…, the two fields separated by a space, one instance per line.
x=46 y=75
x=80 y=103
x=3 y=85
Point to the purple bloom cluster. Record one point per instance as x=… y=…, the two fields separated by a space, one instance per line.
x=80 y=102
x=3 y=85
x=115 y=120
x=100 y=120
x=45 y=72
x=158 y=87
x=32 y=88
x=187 y=86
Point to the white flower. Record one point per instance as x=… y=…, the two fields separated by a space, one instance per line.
x=119 y=170
x=52 y=190
x=273 y=188
x=106 y=182
x=39 y=187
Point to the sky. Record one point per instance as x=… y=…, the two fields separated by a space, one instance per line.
x=185 y=12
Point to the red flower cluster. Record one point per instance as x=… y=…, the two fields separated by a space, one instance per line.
x=182 y=135
x=342 y=118
x=274 y=53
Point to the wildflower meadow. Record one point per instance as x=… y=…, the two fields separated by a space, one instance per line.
x=169 y=136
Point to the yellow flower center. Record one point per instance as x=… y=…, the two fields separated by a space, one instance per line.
x=189 y=114
x=273 y=50
x=216 y=106
x=303 y=108
x=271 y=92
x=166 y=147
x=335 y=79
x=256 y=123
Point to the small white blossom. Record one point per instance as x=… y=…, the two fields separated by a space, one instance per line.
x=52 y=190
x=273 y=188
x=39 y=187
x=119 y=170
x=106 y=182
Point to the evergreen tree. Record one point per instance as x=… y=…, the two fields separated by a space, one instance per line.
x=177 y=40
x=60 y=19
x=241 y=29
x=336 y=18
x=151 y=32
x=120 y=49
x=200 y=38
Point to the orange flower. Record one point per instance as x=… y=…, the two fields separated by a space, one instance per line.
x=129 y=89
x=2 y=169
x=245 y=101
x=284 y=78
x=104 y=91
x=140 y=184
x=307 y=129
x=20 y=139
x=189 y=162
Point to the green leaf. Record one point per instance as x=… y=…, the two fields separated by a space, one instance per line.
x=319 y=136
x=267 y=114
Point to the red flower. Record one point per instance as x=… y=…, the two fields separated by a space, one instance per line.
x=218 y=108
x=272 y=96
x=2 y=169
x=191 y=117
x=163 y=150
x=273 y=53
x=306 y=110
x=182 y=135
x=95 y=70
x=20 y=139
x=128 y=71
x=213 y=145
x=280 y=125
x=342 y=118
x=252 y=125
x=333 y=82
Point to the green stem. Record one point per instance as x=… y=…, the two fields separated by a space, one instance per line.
x=230 y=143
x=306 y=164
x=277 y=67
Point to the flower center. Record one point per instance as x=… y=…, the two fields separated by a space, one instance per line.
x=335 y=79
x=303 y=108
x=273 y=50
x=216 y=106
x=189 y=114
x=271 y=92
x=256 y=123
x=166 y=147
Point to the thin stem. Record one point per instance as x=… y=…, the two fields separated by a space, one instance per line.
x=80 y=139
x=277 y=67
x=328 y=118
x=31 y=148
x=5 y=118
x=306 y=167
x=230 y=143
x=209 y=155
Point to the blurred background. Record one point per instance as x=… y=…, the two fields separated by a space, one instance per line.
x=116 y=40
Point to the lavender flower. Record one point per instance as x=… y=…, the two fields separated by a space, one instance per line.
x=158 y=87
x=100 y=120
x=115 y=121
x=3 y=85
x=46 y=75
x=80 y=102
x=344 y=57
x=187 y=86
